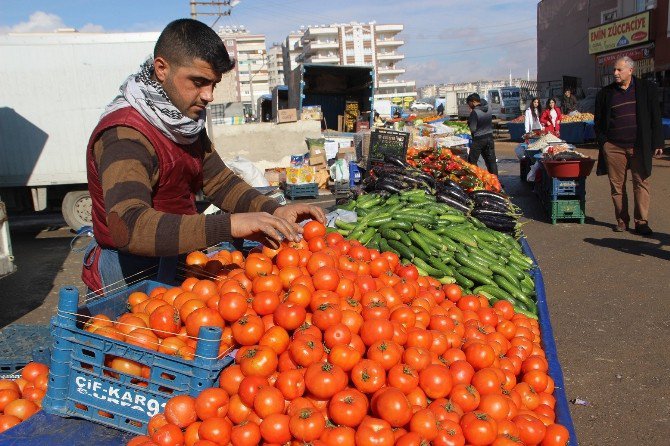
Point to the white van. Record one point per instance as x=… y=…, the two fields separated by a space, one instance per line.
x=504 y=103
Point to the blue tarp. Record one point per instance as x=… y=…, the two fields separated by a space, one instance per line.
x=573 y=132
x=516 y=131
x=44 y=429
x=666 y=128
x=589 y=131
x=562 y=409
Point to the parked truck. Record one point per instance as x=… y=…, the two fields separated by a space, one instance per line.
x=331 y=87
x=504 y=102
x=54 y=88
x=6 y=258
x=450 y=103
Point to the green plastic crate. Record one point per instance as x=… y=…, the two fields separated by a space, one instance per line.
x=567 y=210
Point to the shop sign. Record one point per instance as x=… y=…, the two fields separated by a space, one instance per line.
x=643 y=52
x=629 y=31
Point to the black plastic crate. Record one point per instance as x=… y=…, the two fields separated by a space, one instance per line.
x=310 y=190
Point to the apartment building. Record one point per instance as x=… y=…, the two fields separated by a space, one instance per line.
x=275 y=66
x=291 y=51
x=251 y=75
x=355 y=44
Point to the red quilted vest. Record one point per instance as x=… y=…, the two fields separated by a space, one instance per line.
x=179 y=166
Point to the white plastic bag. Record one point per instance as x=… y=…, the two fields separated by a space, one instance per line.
x=533 y=171
x=251 y=174
x=339 y=171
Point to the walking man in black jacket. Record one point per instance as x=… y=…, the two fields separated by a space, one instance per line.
x=628 y=131
x=480 y=123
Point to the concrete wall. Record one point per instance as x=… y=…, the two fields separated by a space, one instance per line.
x=562 y=38
x=266 y=144
x=661 y=36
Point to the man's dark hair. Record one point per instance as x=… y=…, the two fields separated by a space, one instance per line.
x=186 y=39
x=474 y=97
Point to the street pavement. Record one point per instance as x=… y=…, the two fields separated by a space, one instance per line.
x=607 y=294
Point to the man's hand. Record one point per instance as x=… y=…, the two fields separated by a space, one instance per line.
x=297 y=212
x=658 y=153
x=263 y=227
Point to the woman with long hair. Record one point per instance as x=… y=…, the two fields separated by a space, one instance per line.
x=532 y=116
x=551 y=117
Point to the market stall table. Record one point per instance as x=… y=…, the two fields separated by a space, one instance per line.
x=573 y=132
x=44 y=429
x=516 y=131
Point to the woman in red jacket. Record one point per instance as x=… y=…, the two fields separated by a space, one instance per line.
x=551 y=117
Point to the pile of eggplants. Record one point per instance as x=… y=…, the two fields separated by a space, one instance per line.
x=395 y=176
x=495 y=210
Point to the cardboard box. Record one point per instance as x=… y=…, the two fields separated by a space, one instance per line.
x=300 y=175
x=287 y=115
x=311 y=113
x=347 y=152
x=317 y=157
x=275 y=176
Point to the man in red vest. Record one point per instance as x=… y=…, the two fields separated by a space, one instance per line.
x=148 y=157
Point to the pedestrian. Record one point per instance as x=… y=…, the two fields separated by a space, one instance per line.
x=377 y=120
x=568 y=102
x=629 y=133
x=440 y=109
x=150 y=155
x=480 y=123
x=532 y=116
x=551 y=117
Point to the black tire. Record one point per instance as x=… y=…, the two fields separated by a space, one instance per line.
x=76 y=208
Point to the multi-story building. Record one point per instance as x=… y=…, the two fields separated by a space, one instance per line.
x=583 y=39
x=275 y=66
x=355 y=44
x=291 y=51
x=251 y=74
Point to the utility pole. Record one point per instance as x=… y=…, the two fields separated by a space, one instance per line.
x=216 y=8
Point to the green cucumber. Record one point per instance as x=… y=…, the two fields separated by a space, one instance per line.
x=401 y=249
x=498 y=292
x=418 y=241
x=471 y=264
x=502 y=271
x=404 y=238
x=526 y=313
x=395 y=224
x=461 y=237
x=370 y=203
x=475 y=275
x=420 y=263
x=374 y=243
x=427 y=233
x=367 y=235
x=437 y=263
x=511 y=289
x=463 y=281
x=379 y=220
x=418 y=252
x=389 y=233
x=341 y=224
x=446 y=280
x=385 y=247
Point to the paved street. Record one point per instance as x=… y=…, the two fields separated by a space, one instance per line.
x=607 y=293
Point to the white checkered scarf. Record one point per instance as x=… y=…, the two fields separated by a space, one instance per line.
x=150 y=100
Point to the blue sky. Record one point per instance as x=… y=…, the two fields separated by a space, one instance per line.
x=445 y=40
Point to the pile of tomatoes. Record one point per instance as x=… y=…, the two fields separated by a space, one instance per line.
x=339 y=344
x=22 y=397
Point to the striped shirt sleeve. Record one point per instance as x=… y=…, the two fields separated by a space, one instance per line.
x=128 y=168
x=228 y=191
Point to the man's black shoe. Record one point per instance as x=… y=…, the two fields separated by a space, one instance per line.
x=643 y=229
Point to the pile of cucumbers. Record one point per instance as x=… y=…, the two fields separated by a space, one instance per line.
x=444 y=243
